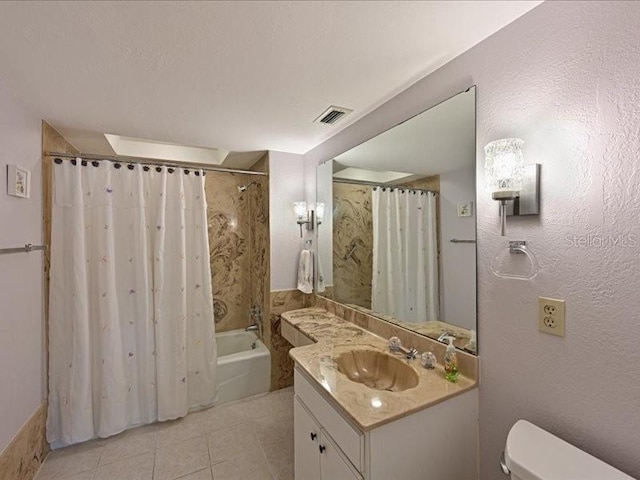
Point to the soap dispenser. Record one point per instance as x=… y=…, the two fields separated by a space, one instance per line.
x=451 y=361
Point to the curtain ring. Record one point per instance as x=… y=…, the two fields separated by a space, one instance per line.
x=57 y=161
x=130 y=166
x=83 y=163
x=74 y=162
x=186 y=172
x=95 y=163
x=171 y=170
x=158 y=169
x=117 y=165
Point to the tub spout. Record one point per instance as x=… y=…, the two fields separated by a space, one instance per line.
x=252 y=328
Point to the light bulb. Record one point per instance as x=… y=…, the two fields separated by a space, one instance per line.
x=300 y=209
x=504 y=167
x=319 y=212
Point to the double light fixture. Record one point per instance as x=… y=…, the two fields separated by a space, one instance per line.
x=308 y=217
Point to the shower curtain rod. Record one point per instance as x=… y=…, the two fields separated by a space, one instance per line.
x=382 y=185
x=152 y=161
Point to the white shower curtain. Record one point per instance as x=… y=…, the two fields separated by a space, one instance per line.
x=131 y=328
x=405 y=256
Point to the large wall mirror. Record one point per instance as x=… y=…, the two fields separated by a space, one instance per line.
x=398 y=237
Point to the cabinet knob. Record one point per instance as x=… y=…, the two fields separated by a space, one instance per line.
x=313 y=436
x=322 y=448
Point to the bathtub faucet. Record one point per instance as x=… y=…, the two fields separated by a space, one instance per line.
x=256 y=314
x=256 y=320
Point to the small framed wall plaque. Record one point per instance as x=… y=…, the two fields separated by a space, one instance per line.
x=465 y=209
x=18 y=181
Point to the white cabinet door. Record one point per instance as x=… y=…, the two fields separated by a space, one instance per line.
x=307 y=441
x=332 y=463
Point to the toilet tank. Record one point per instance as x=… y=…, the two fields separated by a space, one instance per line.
x=532 y=453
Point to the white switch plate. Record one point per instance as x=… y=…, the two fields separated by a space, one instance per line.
x=551 y=313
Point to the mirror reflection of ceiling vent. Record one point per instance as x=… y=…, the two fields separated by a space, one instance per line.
x=332 y=115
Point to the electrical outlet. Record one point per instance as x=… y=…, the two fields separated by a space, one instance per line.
x=551 y=314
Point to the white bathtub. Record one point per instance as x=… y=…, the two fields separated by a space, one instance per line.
x=243 y=371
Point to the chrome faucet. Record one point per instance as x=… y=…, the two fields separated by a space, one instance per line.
x=395 y=345
x=443 y=336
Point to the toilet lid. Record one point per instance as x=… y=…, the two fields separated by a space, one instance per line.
x=534 y=454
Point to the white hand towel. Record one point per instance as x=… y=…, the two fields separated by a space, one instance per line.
x=305 y=272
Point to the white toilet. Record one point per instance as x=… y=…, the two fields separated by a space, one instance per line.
x=534 y=454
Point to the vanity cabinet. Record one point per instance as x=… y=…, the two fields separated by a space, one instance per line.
x=317 y=457
x=435 y=443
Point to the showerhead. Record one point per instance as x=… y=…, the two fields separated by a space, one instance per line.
x=242 y=188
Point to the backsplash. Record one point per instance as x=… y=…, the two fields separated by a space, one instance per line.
x=22 y=458
x=281 y=363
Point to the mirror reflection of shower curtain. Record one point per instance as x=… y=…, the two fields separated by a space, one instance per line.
x=405 y=257
x=131 y=328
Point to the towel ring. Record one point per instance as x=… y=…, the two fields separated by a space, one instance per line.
x=516 y=247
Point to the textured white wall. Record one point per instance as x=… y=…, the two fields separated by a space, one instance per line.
x=286 y=185
x=566 y=78
x=21 y=318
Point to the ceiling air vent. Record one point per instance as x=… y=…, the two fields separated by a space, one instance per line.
x=332 y=115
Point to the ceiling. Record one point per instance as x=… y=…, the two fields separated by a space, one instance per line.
x=439 y=140
x=237 y=76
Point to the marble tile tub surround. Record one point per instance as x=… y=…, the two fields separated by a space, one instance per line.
x=367 y=407
x=352 y=233
x=259 y=244
x=22 y=458
x=238 y=225
x=250 y=439
x=467 y=363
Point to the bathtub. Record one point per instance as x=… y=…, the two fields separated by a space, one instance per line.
x=244 y=366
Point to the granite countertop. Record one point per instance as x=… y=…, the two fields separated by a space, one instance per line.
x=368 y=408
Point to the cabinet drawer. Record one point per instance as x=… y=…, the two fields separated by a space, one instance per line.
x=349 y=439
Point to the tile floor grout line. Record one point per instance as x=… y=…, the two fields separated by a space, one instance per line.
x=264 y=454
x=206 y=437
x=254 y=420
x=155 y=454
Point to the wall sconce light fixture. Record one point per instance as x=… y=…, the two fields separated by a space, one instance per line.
x=303 y=216
x=515 y=185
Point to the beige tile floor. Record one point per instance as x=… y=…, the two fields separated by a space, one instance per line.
x=248 y=440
